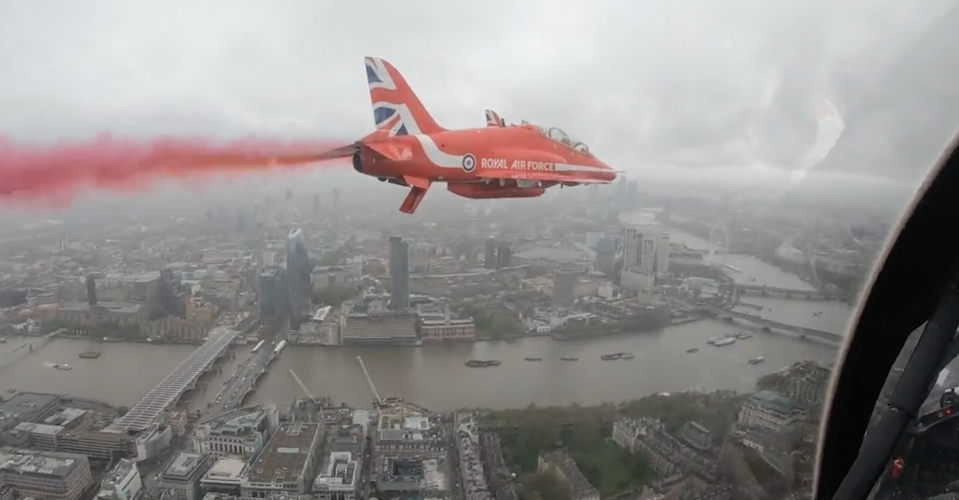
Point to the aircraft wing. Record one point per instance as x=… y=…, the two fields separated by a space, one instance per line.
x=537 y=176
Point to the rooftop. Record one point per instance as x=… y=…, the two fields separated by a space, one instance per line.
x=285 y=456
x=22 y=405
x=119 y=472
x=772 y=400
x=39 y=463
x=400 y=427
x=237 y=423
x=226 y=470
x=30 y=427
x=65 y=416
x=340 y=469
x=570 y=471
x=184 y=466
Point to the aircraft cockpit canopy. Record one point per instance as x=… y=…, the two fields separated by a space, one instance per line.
x=558 y=135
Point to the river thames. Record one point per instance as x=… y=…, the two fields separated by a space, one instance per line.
x=435 y=377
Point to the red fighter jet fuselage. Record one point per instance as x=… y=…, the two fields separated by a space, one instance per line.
x=408 y=148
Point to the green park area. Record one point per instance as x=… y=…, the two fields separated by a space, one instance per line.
x=493 y=323
x=607 y=466
x=584 y=432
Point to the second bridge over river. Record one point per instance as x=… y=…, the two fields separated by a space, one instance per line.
x=789 y=293
x=775 y=325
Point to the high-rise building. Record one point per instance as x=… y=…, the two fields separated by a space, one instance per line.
x=606 y=256
x=316 y=203
x=632 y=248
x=44 y=474
x=400 y=273
x=662 y=255
x=274 y=298
x=639 y=259
x=564 y=287
x=489 y=254
x=504 y=255
x=299 y=274
x=647 y=263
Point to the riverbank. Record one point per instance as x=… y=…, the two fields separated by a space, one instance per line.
x=434 y=375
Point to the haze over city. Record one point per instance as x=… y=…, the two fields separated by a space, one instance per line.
x=276 y=331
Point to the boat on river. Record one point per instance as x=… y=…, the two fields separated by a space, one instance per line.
x=62 y=367
x=477 y=363
x=610 y=357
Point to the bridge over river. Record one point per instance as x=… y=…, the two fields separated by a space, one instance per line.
x=801 y=330
x=29 y=346
x=182 y=378
x=788 y=293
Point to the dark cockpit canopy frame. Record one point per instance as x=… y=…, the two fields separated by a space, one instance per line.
x=906 y=285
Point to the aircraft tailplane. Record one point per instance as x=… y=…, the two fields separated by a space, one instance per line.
x=396 y=108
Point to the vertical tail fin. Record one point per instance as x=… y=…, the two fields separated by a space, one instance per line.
x=493 y=119
x=396 y=109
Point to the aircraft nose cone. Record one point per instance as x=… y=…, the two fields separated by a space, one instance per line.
x=608 y=174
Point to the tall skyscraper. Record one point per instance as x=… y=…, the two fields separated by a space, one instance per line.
x=299 y=274
x=489 y=254
x=639 y=259
x=606 y=255
x=400 y=272
x=647 y=264
x=504 y=255
x=632 y=248
x=662 y=254
x=274 y=295
x=316 y=203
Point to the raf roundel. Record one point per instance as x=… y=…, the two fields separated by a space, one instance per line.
x=469 y=163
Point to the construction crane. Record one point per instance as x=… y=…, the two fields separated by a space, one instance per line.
x=303 y=386
x=369 y=380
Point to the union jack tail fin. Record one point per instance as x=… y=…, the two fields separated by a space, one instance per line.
x=493 y=119
x=396 y=109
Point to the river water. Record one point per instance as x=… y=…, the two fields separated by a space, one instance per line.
x=435 y=376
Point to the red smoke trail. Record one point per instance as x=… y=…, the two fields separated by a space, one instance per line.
x=51 y=175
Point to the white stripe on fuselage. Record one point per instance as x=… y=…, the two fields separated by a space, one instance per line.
x=437 y=156
x=443 y=159
x=567 y=167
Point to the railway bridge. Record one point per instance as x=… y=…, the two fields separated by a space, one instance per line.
x=788 y=293
x=801 y=330
x=180 y=380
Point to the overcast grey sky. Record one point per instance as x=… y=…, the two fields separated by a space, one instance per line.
x=649 y=85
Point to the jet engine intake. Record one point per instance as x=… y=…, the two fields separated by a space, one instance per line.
x=480 y=191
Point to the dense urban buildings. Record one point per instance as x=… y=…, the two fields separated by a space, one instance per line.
x=476 y=272
x=399 y=273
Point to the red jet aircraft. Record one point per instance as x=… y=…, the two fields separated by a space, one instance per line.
x=408 y=148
